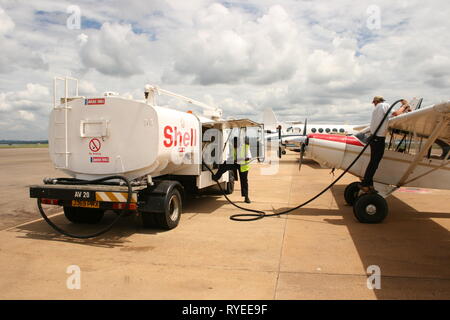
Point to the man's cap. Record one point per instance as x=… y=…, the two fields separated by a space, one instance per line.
x=378 y=99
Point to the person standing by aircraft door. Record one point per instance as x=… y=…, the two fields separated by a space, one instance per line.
x=241 y=163
x=377 y=143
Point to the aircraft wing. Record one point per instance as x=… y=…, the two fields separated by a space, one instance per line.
x=423 y=121
x=361 y=127
x=294 y=122
x=232 y=123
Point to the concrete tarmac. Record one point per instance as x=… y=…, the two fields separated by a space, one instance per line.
x=318 y=252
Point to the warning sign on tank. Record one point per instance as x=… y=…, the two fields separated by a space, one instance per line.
x=100 y=159
x=97 y=101
x=95 y=145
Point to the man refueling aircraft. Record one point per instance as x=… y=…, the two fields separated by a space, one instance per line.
x=240 y=162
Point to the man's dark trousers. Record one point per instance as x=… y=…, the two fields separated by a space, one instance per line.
x=376 y=154
x=224 y=167
x=243 y=176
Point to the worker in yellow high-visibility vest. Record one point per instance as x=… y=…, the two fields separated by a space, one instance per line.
x=240 y=163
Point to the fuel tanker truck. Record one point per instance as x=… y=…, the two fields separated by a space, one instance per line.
x=134 y=156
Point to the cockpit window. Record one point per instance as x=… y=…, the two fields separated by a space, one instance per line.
x=363 y=136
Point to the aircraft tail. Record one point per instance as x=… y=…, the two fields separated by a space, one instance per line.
x=270 y=119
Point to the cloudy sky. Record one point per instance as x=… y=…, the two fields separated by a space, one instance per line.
x=323 y=60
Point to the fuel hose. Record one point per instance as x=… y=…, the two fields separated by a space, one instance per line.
x=71 y=181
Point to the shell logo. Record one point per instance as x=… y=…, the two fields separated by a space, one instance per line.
x=173 y=137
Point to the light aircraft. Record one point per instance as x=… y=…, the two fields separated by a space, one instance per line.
x=416 y=155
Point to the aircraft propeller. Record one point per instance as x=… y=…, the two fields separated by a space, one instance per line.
x=280 y=142
x=303 y=146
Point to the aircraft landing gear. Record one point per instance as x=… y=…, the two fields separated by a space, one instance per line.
x=370 y=208
x=351 y=193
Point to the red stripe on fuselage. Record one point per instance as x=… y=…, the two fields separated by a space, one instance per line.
x=337 y=138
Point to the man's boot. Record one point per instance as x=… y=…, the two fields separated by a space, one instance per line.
x=247 y=200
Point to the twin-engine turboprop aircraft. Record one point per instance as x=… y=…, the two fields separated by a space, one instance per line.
x=291 y=135
x=416 y=155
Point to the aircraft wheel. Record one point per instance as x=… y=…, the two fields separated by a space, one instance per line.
x=370 y=208
x=351 y=193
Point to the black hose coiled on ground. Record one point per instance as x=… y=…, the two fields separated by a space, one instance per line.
x=259 y=214
x=71 y=181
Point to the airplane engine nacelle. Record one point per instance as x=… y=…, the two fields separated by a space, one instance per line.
x=333 y=151
x=324 y=149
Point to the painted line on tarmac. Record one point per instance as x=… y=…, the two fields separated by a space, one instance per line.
x=32 y=221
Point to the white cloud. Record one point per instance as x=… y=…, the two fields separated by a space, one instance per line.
x=229 y=46
x=34 y=91
x=6 y=23
x=25 y=112
x=13 y=54
x=4 y=106
x=26 y=115
x=114 y=50
x=86 y=88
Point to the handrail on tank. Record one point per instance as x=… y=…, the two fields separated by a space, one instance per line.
x=66 y=107
x=66 y=89
x=150 y=92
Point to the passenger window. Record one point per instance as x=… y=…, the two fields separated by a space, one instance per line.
x=327 y=130
x=313 y=130
x=341 y=130
x=335 y=130
x=320 y=130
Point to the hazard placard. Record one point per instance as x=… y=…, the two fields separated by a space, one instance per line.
x=100 y=159
x=96 y=101
x=95 y=145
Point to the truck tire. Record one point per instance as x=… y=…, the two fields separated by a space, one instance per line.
x=83 y=215
x=168 y=219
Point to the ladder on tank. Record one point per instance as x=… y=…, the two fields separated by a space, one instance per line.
x=60 y=118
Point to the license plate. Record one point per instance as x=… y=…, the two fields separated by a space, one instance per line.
x=85 y=204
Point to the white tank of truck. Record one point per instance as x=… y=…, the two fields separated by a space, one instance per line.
x=95 y=137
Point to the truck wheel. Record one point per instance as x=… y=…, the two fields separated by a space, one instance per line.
x=83 y=215
x=229 y=188
x=168 y=219
x=370 y=208
x=351 y=193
